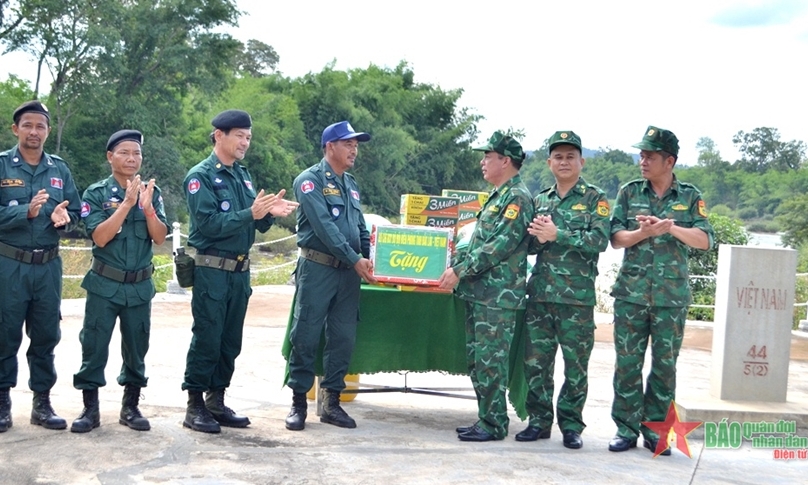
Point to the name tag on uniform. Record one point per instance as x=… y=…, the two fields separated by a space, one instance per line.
x=331 y=191
x=578 y=207
x=110 y=205
x=12 y=183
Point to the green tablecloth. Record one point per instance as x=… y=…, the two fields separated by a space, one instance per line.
x=418 y=332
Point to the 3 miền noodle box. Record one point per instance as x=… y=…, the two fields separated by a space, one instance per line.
x=410 y=255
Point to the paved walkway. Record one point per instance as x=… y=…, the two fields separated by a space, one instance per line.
x=400 y=438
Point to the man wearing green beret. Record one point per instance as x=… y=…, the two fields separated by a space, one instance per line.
x=490 y=275
x=570 y=229
x=656 y=219
x=124 y=217
x=224 y=211
x=37 y=197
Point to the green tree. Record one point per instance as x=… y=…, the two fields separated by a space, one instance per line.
x=13 y=92
x=257 y=59
x=761 y=149
x=793 y=217
x=705 y=263
x=11 y=16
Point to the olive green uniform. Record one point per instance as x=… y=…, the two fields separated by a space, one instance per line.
x=561 y=299
x=31 y=281
x=219 y=200
x=493 y=272
x=330 y=221
x=128 y=255
x=652 y=293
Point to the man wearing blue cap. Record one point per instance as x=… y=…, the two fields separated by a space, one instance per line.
x=224 y=211
x=334 y=249
x=37 y=197
x=123 y=216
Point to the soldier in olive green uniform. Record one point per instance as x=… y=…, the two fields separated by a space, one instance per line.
x=334 y=247
x=490 y=276
x=571 y=228
x=655 y=219
x=37 y=197
x=123 y=217
x=224 y=212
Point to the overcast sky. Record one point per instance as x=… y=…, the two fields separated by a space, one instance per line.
x=605 y=69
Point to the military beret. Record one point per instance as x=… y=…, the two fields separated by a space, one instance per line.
x=124 y=135
x=232 y=118
x=658 y=139
x=342 y=130
x=565 y=138
x=31 y=107
x=503 y=144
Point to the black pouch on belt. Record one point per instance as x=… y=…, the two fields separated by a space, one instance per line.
x=185 y=268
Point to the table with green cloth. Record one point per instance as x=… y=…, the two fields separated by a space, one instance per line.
x=417 y=332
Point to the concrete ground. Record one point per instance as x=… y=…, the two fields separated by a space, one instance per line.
x=400 y=438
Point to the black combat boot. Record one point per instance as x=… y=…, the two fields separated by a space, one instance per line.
x=197 y=416
x=43 y=414
x=333 y=412
x=225 y=416
x=296 y=420
x=130 y=414
x=90 y=416
x=5 y=410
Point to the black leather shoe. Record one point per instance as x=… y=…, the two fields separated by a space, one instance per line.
x=476 y=434
x=618 y=443
x=532 y=433
x=652 y=444
x=464 y=429
x=572 y=439
x=214 y=402
x=43 y=414
x=296 y=420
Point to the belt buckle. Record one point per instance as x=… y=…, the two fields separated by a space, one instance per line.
x=130 y=277
x=37 y=256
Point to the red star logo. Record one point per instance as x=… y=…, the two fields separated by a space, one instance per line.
x=672 y=424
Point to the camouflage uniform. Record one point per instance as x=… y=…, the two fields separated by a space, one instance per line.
x=651 y=294
x=561 y=298
x=492 y=272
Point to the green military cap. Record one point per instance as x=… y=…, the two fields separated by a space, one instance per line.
x=503 y=144
x=658 y=139
x=30 y=107
x=565 y=138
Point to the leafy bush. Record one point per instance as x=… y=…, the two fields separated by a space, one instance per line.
x=705 y=263
x=746 y=213
x=762 y=225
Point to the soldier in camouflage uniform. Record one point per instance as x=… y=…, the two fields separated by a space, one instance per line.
x=655 y=219
x=490 y=276
x=571 y=228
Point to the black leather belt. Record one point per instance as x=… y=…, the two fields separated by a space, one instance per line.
x=122 y=276
x=225 y=264
x=323 y=258
x=37 y=256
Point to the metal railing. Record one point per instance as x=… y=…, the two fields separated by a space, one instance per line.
x=176 y=242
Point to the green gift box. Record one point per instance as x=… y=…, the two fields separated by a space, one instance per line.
x=410 y=255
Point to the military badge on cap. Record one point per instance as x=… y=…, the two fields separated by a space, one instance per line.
x=564 y=138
